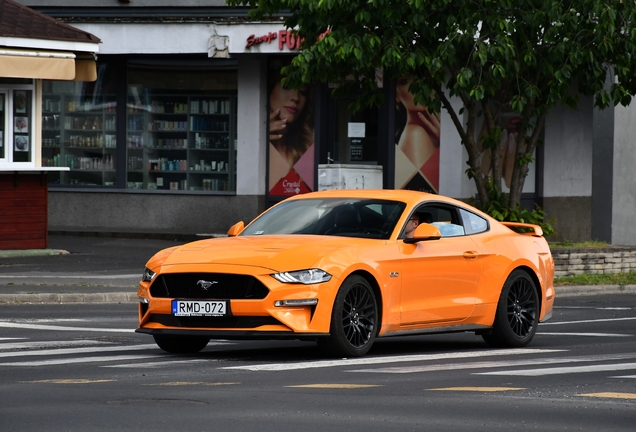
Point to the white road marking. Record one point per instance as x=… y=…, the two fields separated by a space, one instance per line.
x=588 y=321
x=56 y=276
x=158 y=363
x=76 y=360
x=584 y=334
x=392 y=359
x=6 y=324
x=594 y=308
x=49 y=344
x=495 y=364
x=3 y=339
x=563 y=370
x=625 y=376
x=65 y=351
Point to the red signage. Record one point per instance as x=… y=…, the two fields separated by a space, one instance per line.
x=285 y=38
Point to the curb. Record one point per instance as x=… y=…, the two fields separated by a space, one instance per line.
x=131 y=297
x=51 y=298
x=32 y=252
x=579 y=290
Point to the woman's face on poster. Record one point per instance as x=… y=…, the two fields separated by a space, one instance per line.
x=290 y=102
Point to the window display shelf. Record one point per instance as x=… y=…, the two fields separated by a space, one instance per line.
x=79 y=135
x=181 y=142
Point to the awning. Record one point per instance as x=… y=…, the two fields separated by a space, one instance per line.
x=54 y=65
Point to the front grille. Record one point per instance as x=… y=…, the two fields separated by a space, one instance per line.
x=223 y=286
x=214 y=322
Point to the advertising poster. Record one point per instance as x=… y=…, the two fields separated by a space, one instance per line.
x=417 y=141
x=507 y=147
x=291 y=136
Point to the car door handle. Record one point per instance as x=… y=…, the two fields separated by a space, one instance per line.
x=470 y=254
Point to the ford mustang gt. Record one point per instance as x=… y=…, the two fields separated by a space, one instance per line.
x=345 y=267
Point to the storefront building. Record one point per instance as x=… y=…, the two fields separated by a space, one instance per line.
x=34 y=48
x=181 y=132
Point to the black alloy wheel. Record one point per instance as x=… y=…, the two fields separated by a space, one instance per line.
x=353 y=319
x=517 y=313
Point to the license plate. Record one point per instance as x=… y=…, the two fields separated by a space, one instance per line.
x=199 y=308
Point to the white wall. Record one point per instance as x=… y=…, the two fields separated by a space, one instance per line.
x=452 y=156
x=252 y=124
x=146 y=38
x=623 y=213
x=568 y=151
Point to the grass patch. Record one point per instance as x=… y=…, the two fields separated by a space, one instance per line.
x=579 y=245
x=597 y=279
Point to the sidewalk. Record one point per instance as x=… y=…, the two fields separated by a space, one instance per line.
x=79 y=269
x=107 y=269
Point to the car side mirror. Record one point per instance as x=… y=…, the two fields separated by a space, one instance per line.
x=424 y=232
x=235 y=229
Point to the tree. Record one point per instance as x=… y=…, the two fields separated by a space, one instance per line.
x=525 y=56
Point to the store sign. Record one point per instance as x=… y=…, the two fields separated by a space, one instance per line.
x=286 y=38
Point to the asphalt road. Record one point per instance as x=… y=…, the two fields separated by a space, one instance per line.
x=80 y=367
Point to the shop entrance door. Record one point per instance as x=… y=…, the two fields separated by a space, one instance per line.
x=352 y=137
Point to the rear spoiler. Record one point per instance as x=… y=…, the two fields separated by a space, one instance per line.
x=536 y=229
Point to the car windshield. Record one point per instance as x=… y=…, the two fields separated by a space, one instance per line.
x=350 y=217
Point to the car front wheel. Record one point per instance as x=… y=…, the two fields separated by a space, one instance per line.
x=353 y=319
x=517 y=313
x=181 y=344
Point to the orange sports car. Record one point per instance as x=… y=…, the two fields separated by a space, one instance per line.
x=345 y=267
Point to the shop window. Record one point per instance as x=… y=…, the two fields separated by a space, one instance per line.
x=16 y=124
x=181 y=128
x=78 y=130
x=355 y=135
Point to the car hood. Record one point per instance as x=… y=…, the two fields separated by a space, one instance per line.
x=278 y=253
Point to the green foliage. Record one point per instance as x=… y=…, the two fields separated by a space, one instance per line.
x=597 y=279
x=494 y=55
x=497 y=207
x=579 y=245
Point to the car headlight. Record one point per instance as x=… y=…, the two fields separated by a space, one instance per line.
x=148 y=275
x=307 y=277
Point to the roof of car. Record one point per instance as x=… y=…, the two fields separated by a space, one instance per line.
x=389 y=194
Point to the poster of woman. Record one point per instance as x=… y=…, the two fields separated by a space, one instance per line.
x=417 y=142
x=291 y=136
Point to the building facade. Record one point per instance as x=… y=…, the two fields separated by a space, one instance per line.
x=177 y=135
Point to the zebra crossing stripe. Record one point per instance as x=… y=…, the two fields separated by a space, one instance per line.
x=497 y=364
x=48 y=344
x=65 y=351
x=390 y=359
x=563 y=370
x=6 y=324
x=76 y=360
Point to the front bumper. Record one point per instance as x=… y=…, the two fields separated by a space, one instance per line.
x=247 y=318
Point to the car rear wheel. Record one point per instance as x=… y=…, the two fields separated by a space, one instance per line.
x=181 y=344
x=517 y=313
x=353 y=319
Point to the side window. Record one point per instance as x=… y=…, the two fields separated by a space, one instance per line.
x=474 y=224
x=445 y=218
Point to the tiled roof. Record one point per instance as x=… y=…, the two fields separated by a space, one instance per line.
x=20 y=21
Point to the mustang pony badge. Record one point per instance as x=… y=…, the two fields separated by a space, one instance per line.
x=206 y=284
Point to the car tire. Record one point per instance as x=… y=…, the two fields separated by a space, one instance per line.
x=517 y=313
x=177 y=344
x=353 y=319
